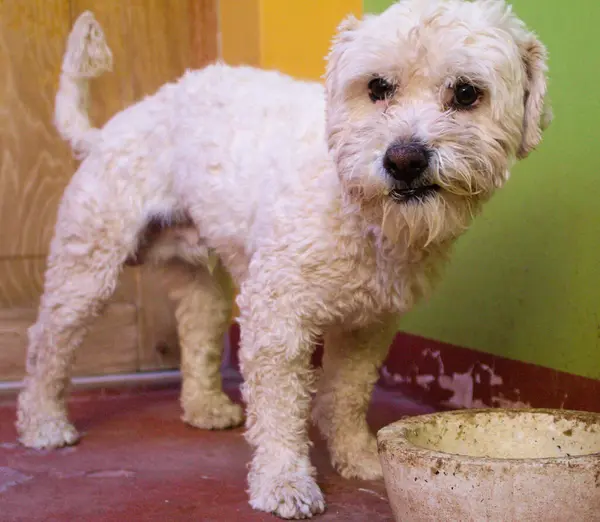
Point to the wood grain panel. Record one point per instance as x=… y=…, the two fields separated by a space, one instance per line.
x=204 y=19
x=110 y=346
x=160 y=39
x=159 y=344
x=22 y=280
x=153 y=42
x=35 y=164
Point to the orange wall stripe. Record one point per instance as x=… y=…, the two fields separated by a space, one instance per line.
x=239 y=31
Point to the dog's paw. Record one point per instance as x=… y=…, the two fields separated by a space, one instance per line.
x=365 y=466
x=358 y=461
x=48 y=434
x=288 y=495
x=217 y=412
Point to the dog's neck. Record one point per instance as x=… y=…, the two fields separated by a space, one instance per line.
x=387 y=277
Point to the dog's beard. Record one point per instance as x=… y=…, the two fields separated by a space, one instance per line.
x=464 y=180
x=436 y=219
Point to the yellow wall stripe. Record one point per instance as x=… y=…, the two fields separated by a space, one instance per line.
x=296 y=34
x=292 y=36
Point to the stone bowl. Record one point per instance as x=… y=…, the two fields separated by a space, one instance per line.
x=493 y=465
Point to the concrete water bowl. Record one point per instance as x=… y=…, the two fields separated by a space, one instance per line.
x=493 y=465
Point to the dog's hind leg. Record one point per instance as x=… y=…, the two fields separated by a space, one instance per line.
x=203 y=313
x=351 y=362
x=87 y=252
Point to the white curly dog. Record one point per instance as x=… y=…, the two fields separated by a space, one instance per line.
x=331 y=207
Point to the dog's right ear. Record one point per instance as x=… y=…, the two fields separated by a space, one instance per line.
x=343 y=36
x=334 y=72
x=348 y=24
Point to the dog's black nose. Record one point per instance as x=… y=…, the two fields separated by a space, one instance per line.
x=405 y=161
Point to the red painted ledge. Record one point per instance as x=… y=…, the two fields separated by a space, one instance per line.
x=445 y=375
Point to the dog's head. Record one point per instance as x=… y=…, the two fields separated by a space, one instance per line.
x=428 y=106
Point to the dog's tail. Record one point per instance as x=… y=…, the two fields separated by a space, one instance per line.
x=87 y=56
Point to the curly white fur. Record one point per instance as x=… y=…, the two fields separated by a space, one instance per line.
x=296 y=207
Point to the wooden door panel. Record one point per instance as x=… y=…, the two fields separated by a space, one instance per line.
x=35 y=165
x=22 y=280
x=153 y=42
x=109 y=347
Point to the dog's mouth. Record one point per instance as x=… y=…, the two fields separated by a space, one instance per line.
x=403 y=195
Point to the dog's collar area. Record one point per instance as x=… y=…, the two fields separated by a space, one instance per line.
x=410 y=194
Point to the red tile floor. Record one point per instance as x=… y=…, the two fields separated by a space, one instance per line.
x=139 y=462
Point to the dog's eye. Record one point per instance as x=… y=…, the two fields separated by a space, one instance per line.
x=380 y=89
x=465 y=95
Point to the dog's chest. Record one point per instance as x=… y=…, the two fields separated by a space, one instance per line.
x=375 y=284
x=394 y=287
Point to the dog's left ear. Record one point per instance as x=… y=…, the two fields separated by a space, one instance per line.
x=538 y=114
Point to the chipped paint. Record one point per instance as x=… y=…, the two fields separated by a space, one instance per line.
x=478 y=387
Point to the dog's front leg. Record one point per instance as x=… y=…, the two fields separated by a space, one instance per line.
x=351 y=367
x=275 y=360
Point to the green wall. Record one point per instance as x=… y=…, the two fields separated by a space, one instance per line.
x=525 y=280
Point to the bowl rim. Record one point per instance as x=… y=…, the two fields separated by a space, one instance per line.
x=394 y=435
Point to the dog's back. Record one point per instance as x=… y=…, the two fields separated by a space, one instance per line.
x=219 y=145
